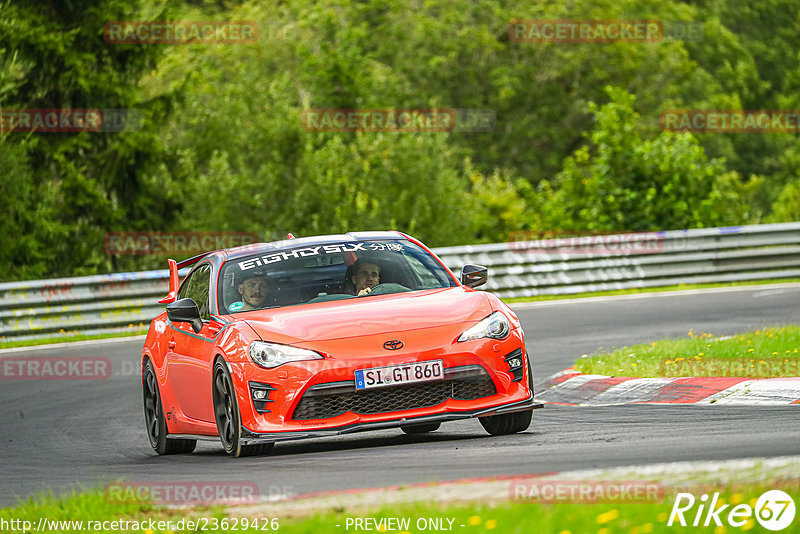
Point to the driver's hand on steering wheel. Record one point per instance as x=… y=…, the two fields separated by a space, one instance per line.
x=366 y=291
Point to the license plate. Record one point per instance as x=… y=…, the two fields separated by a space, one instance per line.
x=395 y=375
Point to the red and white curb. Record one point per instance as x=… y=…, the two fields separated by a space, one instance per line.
x=571 y=388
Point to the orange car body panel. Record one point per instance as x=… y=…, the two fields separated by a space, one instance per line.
x=349 y=334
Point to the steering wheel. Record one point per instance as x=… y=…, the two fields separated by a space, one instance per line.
x=387 y=288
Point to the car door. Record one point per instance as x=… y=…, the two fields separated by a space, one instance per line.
x=189 y=357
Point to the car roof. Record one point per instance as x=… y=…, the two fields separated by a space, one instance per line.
x=284 y=244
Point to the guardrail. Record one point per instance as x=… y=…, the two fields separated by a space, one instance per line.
x=127 y=301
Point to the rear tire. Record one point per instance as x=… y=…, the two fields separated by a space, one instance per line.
x=228 y=417
x=510 y=423
x=154 y=418
x=421 y=428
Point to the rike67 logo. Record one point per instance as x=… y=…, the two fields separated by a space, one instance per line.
x=774 y=510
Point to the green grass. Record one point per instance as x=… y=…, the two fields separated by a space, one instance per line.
x=634 y=291
x=525 y=517
x=766 y=353
x=508 y=516
x=67 y=338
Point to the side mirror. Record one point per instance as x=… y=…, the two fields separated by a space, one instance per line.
x=474 y=275
x=185 y=311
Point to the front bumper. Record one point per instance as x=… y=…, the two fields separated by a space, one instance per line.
x=249 y=437
x=318 y=396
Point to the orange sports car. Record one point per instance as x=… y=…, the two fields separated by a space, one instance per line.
x=329 y=335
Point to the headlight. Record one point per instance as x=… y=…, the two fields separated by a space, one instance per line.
x=495 y=326
x=272 y=355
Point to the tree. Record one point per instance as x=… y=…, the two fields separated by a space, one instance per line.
x=80 y=185
x=622 y=182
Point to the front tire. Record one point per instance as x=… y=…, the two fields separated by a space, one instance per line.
x=510 y=423
x=507 y=423
x=154 y=418
x=421 y=428
x=228 y=417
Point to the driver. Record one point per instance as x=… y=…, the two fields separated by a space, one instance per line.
x=254 y=292
x=366 y=275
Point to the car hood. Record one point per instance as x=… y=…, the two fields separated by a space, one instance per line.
x=316 y=325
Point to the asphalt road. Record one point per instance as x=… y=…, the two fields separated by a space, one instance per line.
x=61 y=434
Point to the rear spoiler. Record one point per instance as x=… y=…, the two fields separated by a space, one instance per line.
x=173 y=284
x=173 y=276
x=192 y=261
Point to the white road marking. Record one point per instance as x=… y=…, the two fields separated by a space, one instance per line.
x=662 y=294
x=70 y=344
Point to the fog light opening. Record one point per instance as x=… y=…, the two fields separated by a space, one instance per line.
x=514 y=360
x=260 y=393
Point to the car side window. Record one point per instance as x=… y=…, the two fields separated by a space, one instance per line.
x=197 y=288
x=425 y=276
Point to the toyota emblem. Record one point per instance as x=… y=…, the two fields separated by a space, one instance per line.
x=393 y=344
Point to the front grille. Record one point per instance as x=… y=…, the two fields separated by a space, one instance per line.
x=329 y=400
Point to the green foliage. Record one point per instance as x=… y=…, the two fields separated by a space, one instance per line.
x=222 y=147
x=501 y=208
x=621 y=181
x=69 y=189
x=787 y=207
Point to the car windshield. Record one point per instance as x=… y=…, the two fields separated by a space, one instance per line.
x=328 y=272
